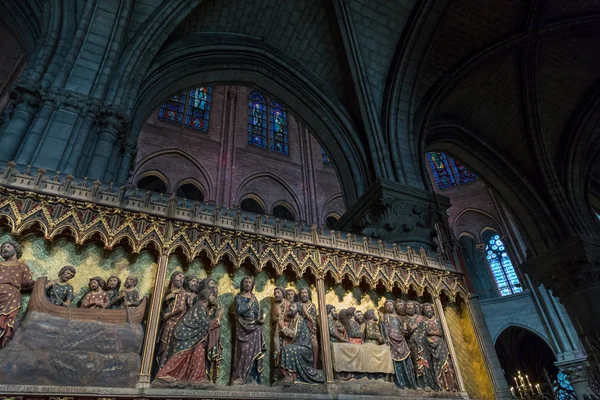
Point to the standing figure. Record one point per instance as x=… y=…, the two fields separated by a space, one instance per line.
x=337 y=332
x=190 y=342
x=291 y=296
x=438 y=349
x=175 y=307
x=309 y=311
x=113 y=284
x=417 y=337
x=353 y=327
x=248 y=361
x=418 y=307
x=59 y=292
x=96 y=297
x=191 y=289
x=130 y=296
x=279 y=320
x=297 y=356
x=372 y=331
x=14 y=277
x=214 y=350
x=393 y=329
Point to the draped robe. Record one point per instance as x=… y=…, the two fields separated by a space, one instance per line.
x=310 y=313
x=421 y=356
x=14 y=277
x=393 y=332
x=177 y=307
x=190 y=342
x=297 y=356
x=440 y=356
x=278 y=319
x=60 y=293
x=249 y=340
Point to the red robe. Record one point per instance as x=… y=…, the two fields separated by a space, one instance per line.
x=14 y=277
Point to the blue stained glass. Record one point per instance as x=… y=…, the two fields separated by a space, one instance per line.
x=172 y=109
x=326 y=160
x=257 y=120
x=279 y=132
x=502 y=268
x=441 y=171
x=198 y=110
x=462 y=173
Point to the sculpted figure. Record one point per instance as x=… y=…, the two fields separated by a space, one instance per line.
x=191 y=289
x=349 y=318
x=190 y=342
x=96 y=297
x=438 y=349
x=394 y=330
x=279 y=320
x=130 y=296
x=309 y=310
x=297 y=356
x=59 y=292
x=417 y=337
x=291 y=296
x=175 y=307
x=418 y=307
x=214 y=350
x=248 y=361
x=372 y=331
x=113 y=284
x=337 y=332
x=401 y=308
x=14 y=277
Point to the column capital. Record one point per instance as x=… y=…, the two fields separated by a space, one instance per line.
x=396 y=213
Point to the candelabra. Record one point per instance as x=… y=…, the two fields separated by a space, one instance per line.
x=525 y=390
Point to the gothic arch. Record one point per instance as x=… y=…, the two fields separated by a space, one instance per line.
x=527 y=328
x=225 y=58
x=482 y=217
x=329 y=208
x=536 y=220
x=207 y=188
x=157 y=174
x=294 y=204
x=22 y=19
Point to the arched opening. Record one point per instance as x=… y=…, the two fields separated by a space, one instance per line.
x=190 y=191
x=251 y=205
x=152 y=183
x=331 y=220
x=520 y=350
x=282 y=212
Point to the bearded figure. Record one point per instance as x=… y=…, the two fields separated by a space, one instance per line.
x=438 y=350
x=173 y=310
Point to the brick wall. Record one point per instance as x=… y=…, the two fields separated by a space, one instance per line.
x=228 y=169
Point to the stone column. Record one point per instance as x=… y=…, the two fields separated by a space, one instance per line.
x=153 y=321
x=571 y=271
x=108 y=134
x=439 y=310
x=324 y=331
x=12 y=137
x=72 y=163
x=38 y=127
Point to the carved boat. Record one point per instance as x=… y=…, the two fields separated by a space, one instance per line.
x=39 y=302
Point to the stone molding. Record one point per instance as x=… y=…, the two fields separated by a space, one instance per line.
x=396 y=213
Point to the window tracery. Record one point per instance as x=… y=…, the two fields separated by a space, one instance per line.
x=502 y=268
x=448 y=171
x=194 y=104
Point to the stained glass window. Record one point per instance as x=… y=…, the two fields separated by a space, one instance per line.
x=257 y=120
x=448 y=171
x=462 y=173
x=502 y=268
x=172 y=109
x=279 y=132
x=441 y=170
x=326 y=160
x=198 y=109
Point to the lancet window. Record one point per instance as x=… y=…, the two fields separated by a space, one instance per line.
x=448 y=171
x=502 y=268
x=191 y=106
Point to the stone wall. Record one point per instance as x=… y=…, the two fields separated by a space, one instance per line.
x=227 y=169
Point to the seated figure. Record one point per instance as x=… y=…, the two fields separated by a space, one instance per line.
x=59 y=292
x=96 y=297
x=297 y=356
